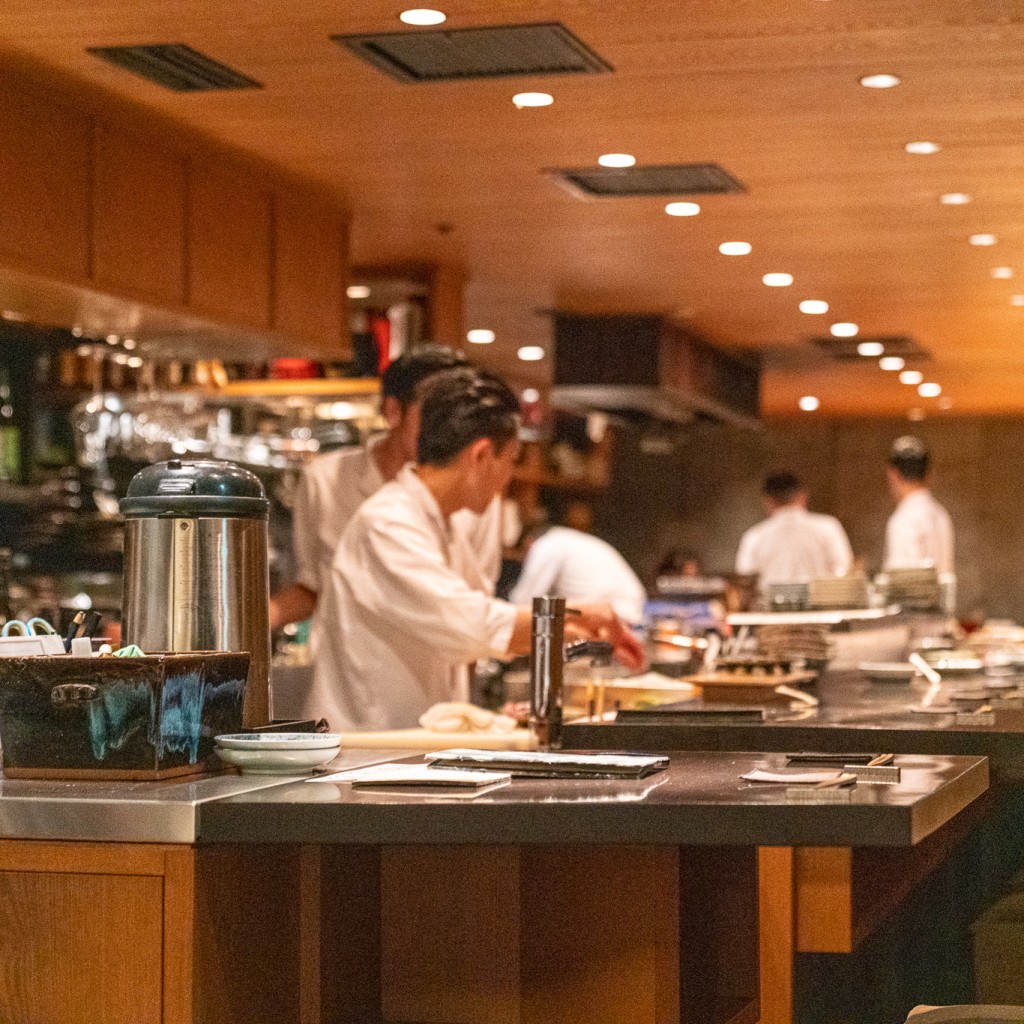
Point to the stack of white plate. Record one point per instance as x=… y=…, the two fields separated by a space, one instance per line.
x=798 y=643
x=916 y=588
x=786 y=597
x=838 y=592
x=277 y=753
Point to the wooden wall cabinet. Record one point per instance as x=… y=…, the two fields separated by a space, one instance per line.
x=310 y=243
x=138 y=218
x=45 y=170
x=229 y=246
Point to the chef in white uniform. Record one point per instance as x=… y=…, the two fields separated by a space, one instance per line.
x=333 y=486
x=406 y=610
x=580 y=567
x=792 y=545
x=919 y=531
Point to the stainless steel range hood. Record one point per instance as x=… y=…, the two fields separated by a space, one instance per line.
x=650 y=371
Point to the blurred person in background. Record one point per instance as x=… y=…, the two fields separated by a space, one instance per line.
x=792 y=545
x=919 y=532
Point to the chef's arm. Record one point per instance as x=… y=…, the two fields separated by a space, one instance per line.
x=594 y=622
x=291 y=604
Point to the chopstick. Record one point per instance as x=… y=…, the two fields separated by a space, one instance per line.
x=843 y=779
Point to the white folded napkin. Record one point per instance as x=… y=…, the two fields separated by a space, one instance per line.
x=461 y=717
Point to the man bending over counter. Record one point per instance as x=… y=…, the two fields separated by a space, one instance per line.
x=407 y=609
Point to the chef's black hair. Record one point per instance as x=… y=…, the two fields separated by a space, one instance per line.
x=459 y=407
x=781 y=488
x=401 y=379
x=909 y=457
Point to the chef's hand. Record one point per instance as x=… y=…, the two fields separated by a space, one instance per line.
x=599 y=622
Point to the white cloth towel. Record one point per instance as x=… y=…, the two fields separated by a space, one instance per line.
x=461 y=717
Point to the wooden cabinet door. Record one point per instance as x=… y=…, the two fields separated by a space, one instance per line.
x=77 y=948
x=309 y=277
x=138 y=218
x=45 y=156
x=229 y=246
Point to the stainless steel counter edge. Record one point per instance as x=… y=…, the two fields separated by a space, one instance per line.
x=132 y=812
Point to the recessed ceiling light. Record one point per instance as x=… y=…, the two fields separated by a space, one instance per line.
x=121 y=358
x=112 y=339
x=531 y=353
x=682 y=209
x=10 y=314
x=844 y=330
x=130 y=343
x=916 y=415
x=358 y=291
x=954 y=198
x=814 y=306
x=735 y=248
x=891 y=363
x=1017 y=300
x=929 y=390
x=533 y=99
x=480 y=336
x=911 y=377
x=1002 y=273
x=422 y=16
x=616 y=160
x=879 y=81
x=83 y=351
x=530 y=395
x=945 y=403
x=809 y=403
x=870 y=349
x=76 y=331
x=922 y=148
x=778 y=280
x=135 y=362
x=983 y=239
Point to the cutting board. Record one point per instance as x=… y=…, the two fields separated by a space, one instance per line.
x=737 y=686
x=424 y=739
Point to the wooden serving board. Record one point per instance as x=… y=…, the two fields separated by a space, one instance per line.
x=740 y=686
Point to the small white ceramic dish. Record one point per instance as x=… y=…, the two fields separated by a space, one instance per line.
x=888 y=671
x=278 y=740
x=277 y=762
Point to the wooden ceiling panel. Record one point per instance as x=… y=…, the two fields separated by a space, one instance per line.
x=452 y=173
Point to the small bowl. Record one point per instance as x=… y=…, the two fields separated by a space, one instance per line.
x=277 y=762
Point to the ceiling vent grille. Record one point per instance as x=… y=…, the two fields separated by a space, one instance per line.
x=664 y=180
x=440 y=55
x=892 y=345
x=175 y=66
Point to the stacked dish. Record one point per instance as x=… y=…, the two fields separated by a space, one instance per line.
x=915 y=588
x=277 y=753
x=786 y=597
x=838 y=592
x=806 y=644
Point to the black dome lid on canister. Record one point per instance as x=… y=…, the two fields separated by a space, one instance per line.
x=177 y=489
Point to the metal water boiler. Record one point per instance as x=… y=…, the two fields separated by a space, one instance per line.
x=195 y=566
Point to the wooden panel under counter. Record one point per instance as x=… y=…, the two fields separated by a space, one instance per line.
x=309 y=276
x=229 y=246
x=44 y=184
x=138 y=217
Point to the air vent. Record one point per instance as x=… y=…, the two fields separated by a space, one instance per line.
x=440 y=55
x=664 y=180
x=175 y=66
x=896 y=345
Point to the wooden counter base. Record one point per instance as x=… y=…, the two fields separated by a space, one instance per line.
x=141 y=934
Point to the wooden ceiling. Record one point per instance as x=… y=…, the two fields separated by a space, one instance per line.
x=769 y=89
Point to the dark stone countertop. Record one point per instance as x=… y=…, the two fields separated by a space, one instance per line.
x=854 y=715
x=698 y=800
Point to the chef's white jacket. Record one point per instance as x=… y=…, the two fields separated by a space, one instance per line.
x=331 y=489
x=404 y=614
x=575 y=565
x=919 y=532
x=794 y=546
